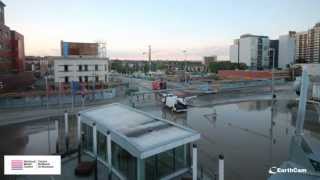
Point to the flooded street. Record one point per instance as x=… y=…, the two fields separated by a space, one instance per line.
x=244 y=132
x=258 y=132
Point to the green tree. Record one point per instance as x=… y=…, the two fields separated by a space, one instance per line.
x=214 y=67
x=146 y=68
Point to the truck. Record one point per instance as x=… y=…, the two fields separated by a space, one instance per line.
x=177 y=102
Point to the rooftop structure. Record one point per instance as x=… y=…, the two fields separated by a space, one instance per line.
x=140 y=137
x=79 y=49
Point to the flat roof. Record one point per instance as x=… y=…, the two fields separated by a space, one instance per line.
x=140 y=133
x=78 y=58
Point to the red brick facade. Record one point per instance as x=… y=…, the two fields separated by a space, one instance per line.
x=238 y=74
x=11 y=47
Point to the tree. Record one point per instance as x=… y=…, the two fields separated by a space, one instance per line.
x=214 y=67
x=146 y=68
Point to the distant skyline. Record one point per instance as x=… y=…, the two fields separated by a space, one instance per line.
x=203 y=28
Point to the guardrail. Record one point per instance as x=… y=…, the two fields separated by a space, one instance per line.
x=56 y=100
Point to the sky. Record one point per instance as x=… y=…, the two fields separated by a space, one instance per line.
x=201 y=27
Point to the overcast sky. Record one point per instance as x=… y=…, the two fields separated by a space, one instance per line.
x=202 y=27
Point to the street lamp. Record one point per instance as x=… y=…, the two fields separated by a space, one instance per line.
x=272 y=74
x=149 y=57
x=47 y=88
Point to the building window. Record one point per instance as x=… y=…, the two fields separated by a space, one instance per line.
x=96 y=67
x=66 y=79
x=97 y=78
x=86 y=67
x=88 y=140
x=102 y=146
x=65 y=68
x=167 y=162
x=80 y=78
x=80 y=67
x=123 y=161
x=86 y=78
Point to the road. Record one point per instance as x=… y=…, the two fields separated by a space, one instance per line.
x=16 y=115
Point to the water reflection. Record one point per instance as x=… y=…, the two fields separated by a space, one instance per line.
x=35 y=138
x=253 y=135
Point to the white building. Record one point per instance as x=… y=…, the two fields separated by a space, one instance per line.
x=287 y=47
x=80 y=69
x=234 y=52
x=252 y=50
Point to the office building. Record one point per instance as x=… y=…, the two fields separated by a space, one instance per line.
x=252 y=50
x=234 y=51
x=274 y=53
x=11 y=47
x=287 y=49
x=80 y=69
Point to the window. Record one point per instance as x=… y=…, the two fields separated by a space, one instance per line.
x=80 y=78
x=66 y=79
x=102 y=146
x=124 y=162
x=66 y=68
x=86 y=79
x=80 y=67
x=167 y=162
x=86 y=67
x=96 y=68
x=88 y=134
x=97 y=78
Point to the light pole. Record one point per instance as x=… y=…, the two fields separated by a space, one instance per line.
x=47 y=93
x=272 y=74
x=185 y=66
x=144 y=53
x=149 y=57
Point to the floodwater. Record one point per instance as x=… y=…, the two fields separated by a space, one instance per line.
x=36 y=138
x=253 y=136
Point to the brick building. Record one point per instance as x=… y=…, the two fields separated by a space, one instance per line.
x=11 y=47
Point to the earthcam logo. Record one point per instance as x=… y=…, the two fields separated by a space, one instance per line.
x=276 y=170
